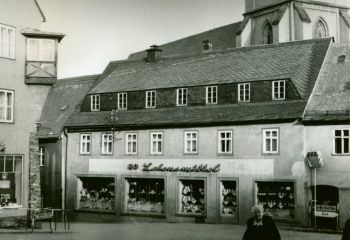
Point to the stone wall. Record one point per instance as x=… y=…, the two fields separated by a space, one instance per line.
x=34 y=172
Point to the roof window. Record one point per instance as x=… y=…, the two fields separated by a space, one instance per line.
x=341 y=58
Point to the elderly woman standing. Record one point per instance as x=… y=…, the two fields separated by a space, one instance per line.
x=260 y=226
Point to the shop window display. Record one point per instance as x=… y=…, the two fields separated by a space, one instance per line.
x=144 y=196
x=192 y=197
x=228 y=198
x=277 y=198
x=96 y=193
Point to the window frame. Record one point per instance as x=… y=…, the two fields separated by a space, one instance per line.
x=88 y=142
x=209 y=99
x=342 y=137
x=220 y=152
x=196 y=139
x=107 y=141
x=151 y=103
x=9 y=45
x=245 y=98
x=157 y=141
x=181 y=97
x=267 y=33
x=179 y=184
x=279 y=93
x=41 y=50
x=6 y=106
x=95 y=102
x=42 y=156
x=264 y=138
x=132 y=141
x=320 y=23
x=122 y=101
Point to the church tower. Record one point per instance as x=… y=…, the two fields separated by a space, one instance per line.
x=274 y=21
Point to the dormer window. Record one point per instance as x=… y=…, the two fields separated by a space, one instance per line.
x=212 y=95
x=95 y=103
x=7 y=41
x=150 y=99
x=181 y=97
x=244 y=92
x=122 y=101
x=278 y=90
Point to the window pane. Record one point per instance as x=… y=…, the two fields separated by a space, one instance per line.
x=268 y=145
x=346 y=132
x=9 y=164
x=2 y=161
x=337 y=132
x=338 y=147
x=346 y=145
x=47 y=50
x=274 y=145
x=33 y=49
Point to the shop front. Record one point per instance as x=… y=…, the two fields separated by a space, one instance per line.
x=11 y=180
x=184 y=190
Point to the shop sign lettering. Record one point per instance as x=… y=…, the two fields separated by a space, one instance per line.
x=326 y=214
x=148 y=167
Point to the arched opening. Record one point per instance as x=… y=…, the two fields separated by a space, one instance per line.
x=267 y=33
x=327 y=207
x=320 y=29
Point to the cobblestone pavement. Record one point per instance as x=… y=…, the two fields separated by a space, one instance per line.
x=155 y=231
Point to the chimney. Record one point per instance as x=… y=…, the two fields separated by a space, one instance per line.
x=207 y=45
x=152 y=54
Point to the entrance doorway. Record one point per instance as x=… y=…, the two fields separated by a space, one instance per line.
x=326 y=215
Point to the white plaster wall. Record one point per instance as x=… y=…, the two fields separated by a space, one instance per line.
x=28 y=100
x=329 y=15
x=284 y=27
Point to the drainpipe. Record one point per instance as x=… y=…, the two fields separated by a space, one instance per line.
x=65 y=171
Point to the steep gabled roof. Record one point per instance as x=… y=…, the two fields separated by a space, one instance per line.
x=330 y=100
x=221 y=38
x=61 y=102
x=299 y=61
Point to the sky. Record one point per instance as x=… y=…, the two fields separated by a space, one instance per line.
x=100 y=31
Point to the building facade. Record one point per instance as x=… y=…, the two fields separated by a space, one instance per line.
x=28 y=61
x=192 y=143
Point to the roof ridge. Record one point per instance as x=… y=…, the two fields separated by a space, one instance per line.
x=165 y=60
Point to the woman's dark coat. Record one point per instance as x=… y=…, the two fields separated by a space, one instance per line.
x=268 y=230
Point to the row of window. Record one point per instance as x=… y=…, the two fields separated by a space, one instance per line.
x=225 y=139
x=191 y=138
x=278 y=93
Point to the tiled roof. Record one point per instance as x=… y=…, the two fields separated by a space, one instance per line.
x=331 y=97
x=195 y=115
x=61 y=102
x=299 y=61
x=221 y=38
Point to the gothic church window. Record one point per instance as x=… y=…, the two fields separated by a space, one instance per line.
x=267 y=34
x=320 y=29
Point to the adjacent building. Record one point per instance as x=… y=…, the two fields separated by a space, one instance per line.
x=28 y=68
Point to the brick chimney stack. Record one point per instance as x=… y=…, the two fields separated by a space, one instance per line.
x=152 y=54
